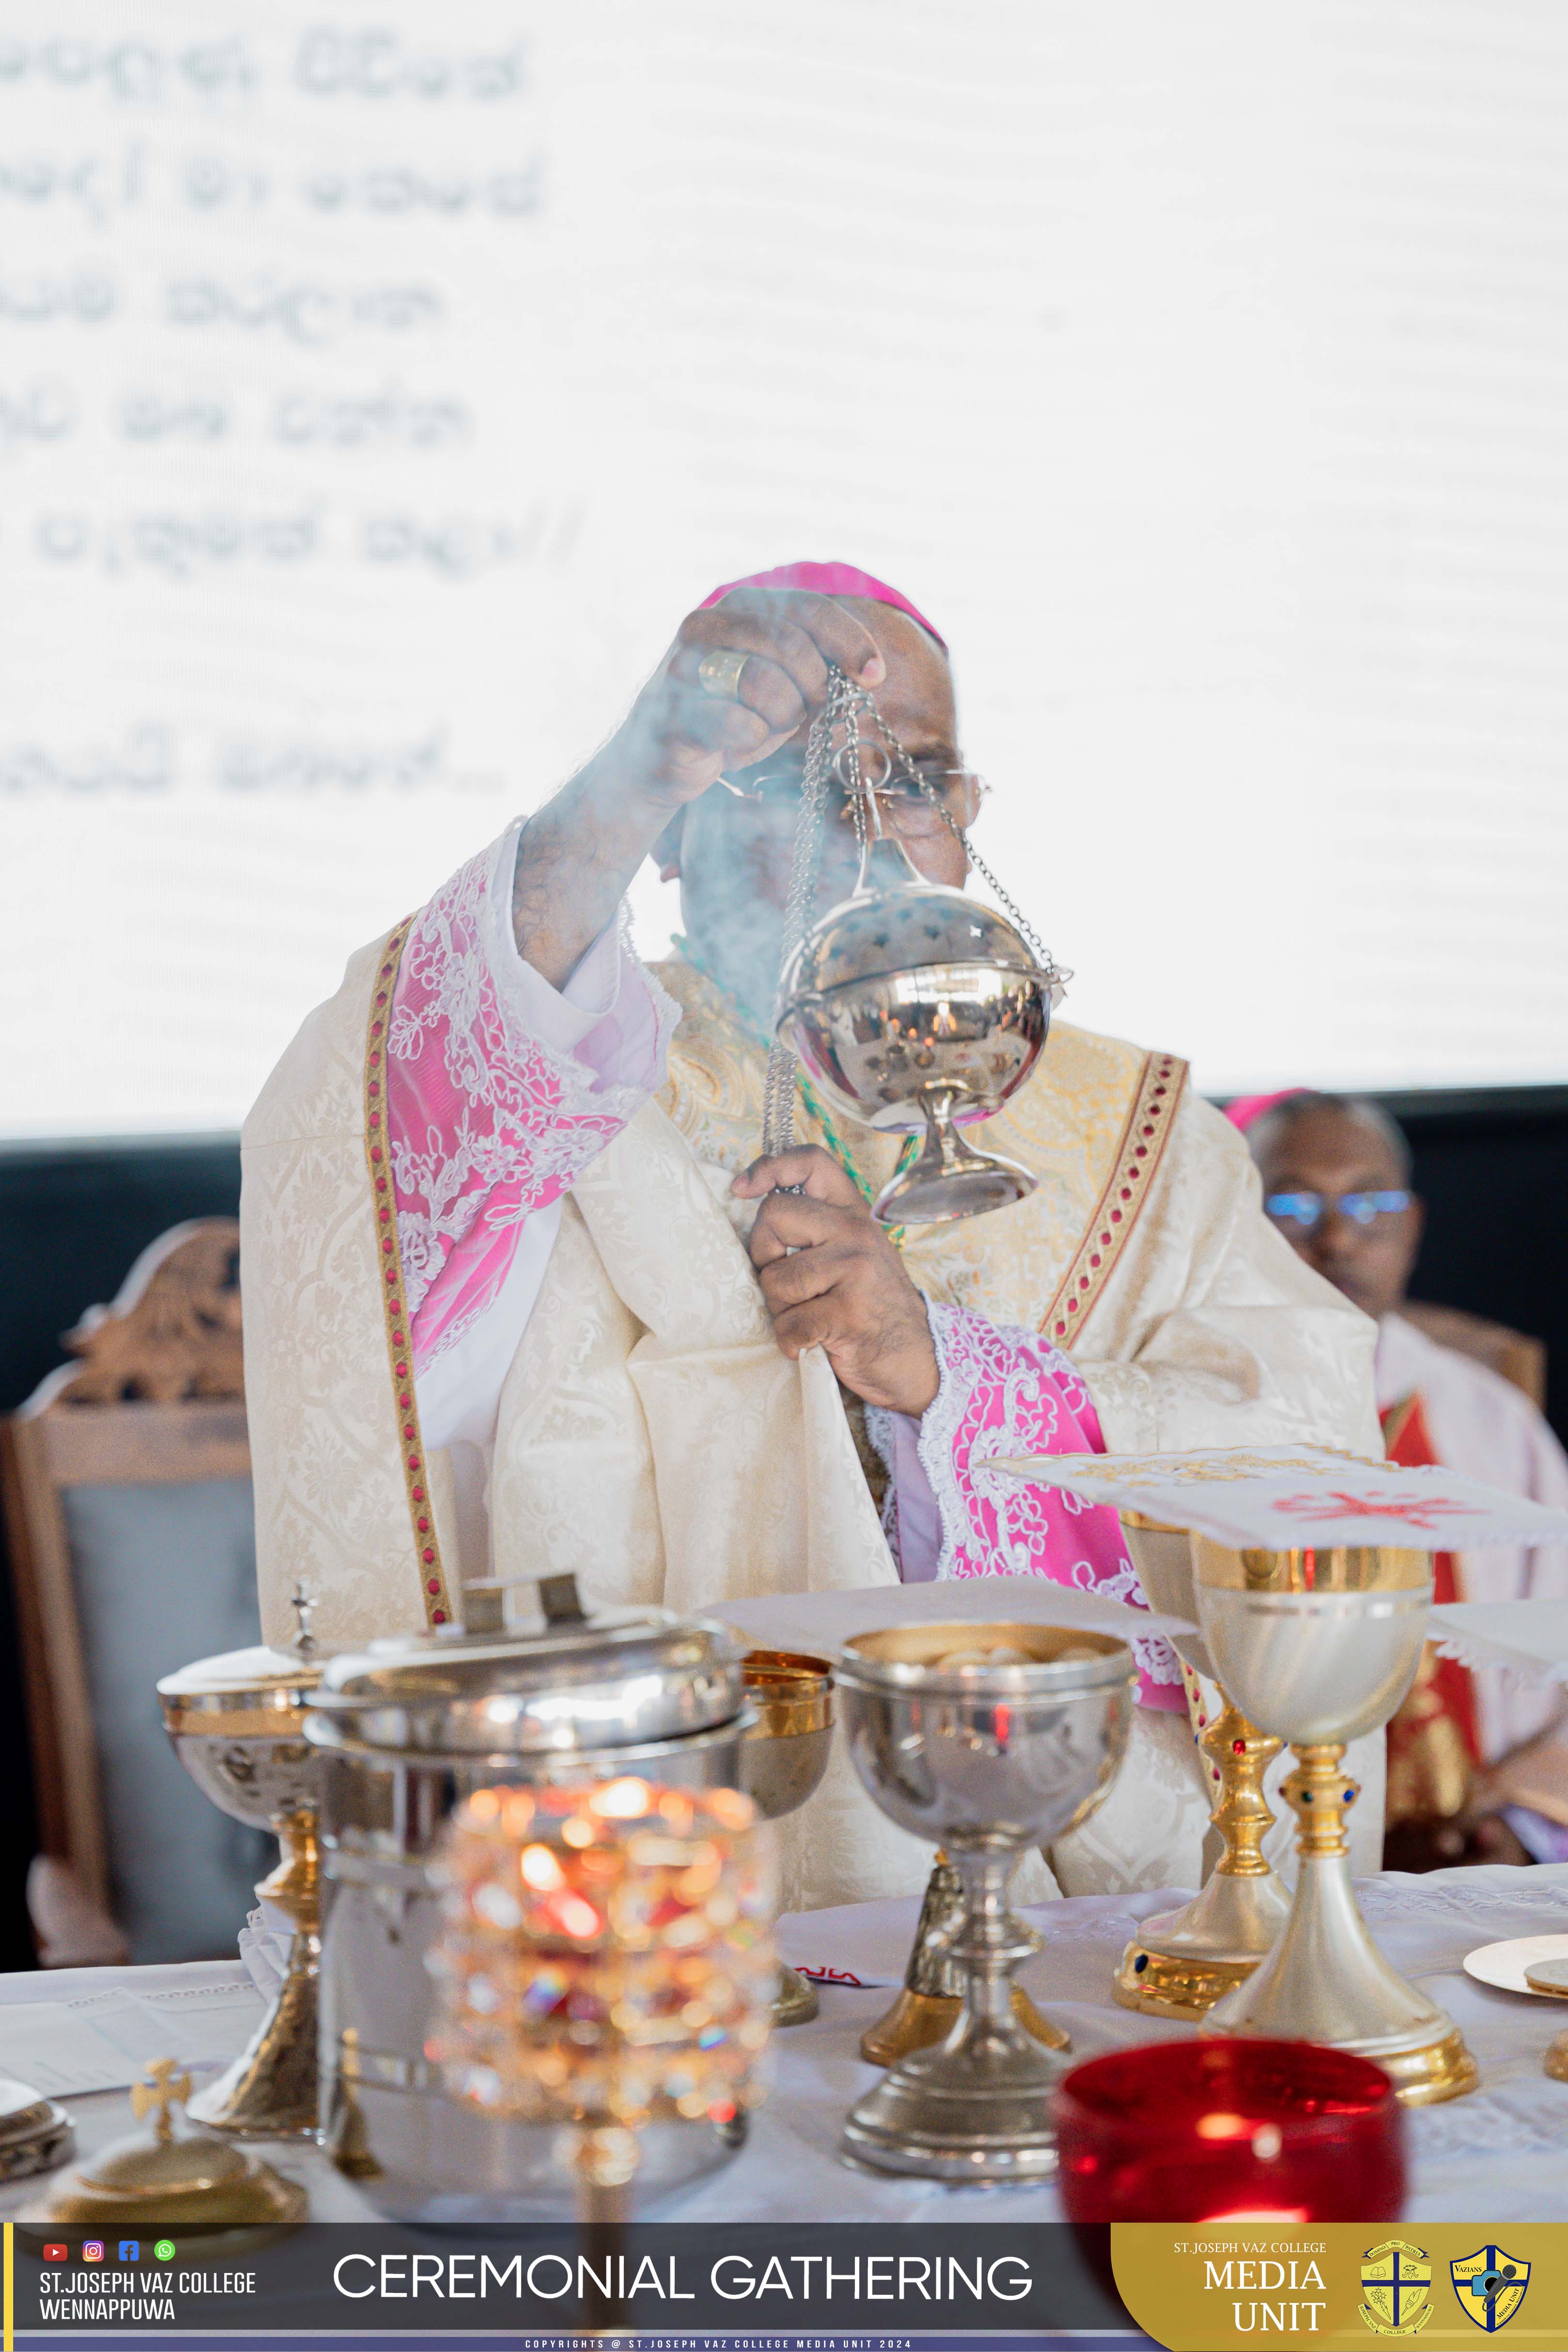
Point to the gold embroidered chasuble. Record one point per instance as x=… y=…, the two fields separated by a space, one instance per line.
x=650 y=1436
x=1196 y=1316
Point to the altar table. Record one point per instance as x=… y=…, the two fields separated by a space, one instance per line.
x=1497 y=2156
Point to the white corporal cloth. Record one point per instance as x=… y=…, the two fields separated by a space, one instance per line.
x=1284 y=1496
x=819 y=1622
x=1525 y=1641
x=1497 y=2154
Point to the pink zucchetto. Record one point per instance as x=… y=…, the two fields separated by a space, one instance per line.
x=1248 y=1109
x=830 y=580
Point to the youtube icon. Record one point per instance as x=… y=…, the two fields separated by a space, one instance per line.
x=53 y=2254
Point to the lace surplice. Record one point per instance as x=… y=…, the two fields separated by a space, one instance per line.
x=1004 y=1391
x=490 y=1122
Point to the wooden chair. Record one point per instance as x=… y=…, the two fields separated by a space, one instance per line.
x=1514 y=1354
x=125 y=1475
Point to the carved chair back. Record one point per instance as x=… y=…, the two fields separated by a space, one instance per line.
x=114 y=1575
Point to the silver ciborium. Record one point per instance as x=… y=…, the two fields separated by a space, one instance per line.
x=404 y=1732
x=782 y=1758
x=238 y=1724
x=1182 y=1962
x=985 y=1759
x=914 y=1008
x=1321 y=1644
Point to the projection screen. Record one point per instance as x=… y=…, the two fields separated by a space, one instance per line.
x=379 y=387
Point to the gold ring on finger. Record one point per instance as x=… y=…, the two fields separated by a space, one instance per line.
x=720 y=674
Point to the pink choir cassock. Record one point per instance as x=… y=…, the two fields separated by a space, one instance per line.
x=502 y=1090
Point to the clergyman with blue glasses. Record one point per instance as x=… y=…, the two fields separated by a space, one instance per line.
x=1477 y=1770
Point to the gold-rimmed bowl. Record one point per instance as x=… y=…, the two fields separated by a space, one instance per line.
x=236 y=1722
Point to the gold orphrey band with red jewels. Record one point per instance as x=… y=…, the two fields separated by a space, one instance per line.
x=399 y=1344
x=1138 y=1155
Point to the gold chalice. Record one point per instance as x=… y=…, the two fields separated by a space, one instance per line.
x=1184 y=1961
x=782 y=1758
x=1321 y=1644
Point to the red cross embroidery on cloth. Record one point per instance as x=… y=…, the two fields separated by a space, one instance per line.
x=1356 y=1507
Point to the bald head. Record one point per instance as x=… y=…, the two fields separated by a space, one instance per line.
x=1338 y=1148
x=1264 y=1135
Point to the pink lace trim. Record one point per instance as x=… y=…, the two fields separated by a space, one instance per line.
x=1006 y=1390
x=487 y=1124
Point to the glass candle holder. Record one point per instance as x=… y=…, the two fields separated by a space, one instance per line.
x=606 y=1961
x=606 y=1955
x=1230 y=2131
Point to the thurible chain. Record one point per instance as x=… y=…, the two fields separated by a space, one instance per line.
x=849 y=704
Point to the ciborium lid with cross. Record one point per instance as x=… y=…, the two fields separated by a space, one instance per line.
x=159 y=2179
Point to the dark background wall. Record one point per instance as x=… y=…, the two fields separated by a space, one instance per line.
x=1493 y=1166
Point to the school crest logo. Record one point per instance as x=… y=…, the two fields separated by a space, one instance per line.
x=1491 y=2286
x=1395 y=2288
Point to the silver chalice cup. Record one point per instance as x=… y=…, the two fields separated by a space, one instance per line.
x=238 y=1724
x=986 y=1739
x=1320 y=1645
x=916 y=1009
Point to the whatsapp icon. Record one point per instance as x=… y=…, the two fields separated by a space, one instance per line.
x=165 y=2250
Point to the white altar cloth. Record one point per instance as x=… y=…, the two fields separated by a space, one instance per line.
x=1498 y=2157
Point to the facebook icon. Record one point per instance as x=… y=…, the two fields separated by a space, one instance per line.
x=130 y=2250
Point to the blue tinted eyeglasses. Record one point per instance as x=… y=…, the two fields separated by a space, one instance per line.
x=1305 y=1210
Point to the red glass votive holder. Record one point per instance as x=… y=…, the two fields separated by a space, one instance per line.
x=1222 y=2130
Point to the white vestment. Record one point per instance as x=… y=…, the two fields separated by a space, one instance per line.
x=1480 y=1423
x=649 y=1435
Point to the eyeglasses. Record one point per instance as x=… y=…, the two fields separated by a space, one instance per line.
x=1305 y=1210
